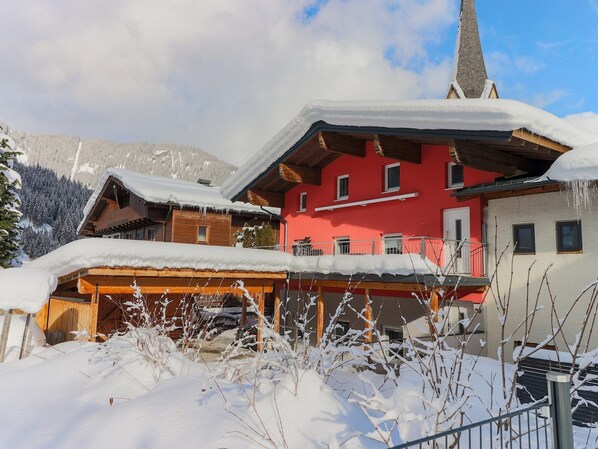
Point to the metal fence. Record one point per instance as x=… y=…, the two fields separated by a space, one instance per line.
x=454 y=256
x=546 y=425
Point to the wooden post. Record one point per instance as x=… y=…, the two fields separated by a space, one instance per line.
x=243 y=312
x=277 y=308
x=320 y=316
x=93 y=315
x=260 y=320
x=4 y=335
x=434 y=307
x=26 y=335
x=368 y=316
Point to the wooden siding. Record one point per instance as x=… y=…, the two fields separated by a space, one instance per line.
x=60 y=317
x=113 y=216
x=187 y=222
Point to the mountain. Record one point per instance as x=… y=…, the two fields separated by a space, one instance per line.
x=52 y=208
x=84 y=161
x=58 y=171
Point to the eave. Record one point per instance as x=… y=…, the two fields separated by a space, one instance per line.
x=511 y=153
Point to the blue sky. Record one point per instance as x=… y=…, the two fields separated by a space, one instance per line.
x=226 y=75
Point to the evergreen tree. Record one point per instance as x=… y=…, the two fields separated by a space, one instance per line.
x=9 y=202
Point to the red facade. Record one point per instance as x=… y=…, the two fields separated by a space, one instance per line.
x=412 y=217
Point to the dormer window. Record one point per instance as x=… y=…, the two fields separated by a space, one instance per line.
x=456 y=178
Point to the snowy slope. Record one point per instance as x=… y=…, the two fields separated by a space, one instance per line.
x=86 y=160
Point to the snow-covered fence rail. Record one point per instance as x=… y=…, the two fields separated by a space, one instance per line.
x=527 y=428
x=544 y=425
x=454 y=256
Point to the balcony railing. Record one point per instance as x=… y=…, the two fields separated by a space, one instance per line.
x=454 y=257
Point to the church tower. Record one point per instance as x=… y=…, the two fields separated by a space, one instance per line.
x=470 y=79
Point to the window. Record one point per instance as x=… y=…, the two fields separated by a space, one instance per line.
x=112 y=236
x=568 y=236
x=392 y=340
x=342 y=245
x=342 y=328
x=342 y=187
x=139 y=234
x=393 y=244
x=202 y=234
x=524 y=239
x=392 y=177
x=456 y=177
x=302 y=201
x=150 y=234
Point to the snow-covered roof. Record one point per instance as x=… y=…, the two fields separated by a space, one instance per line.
x=95 y=252
x=578 y=164
x=455 y=114
x=156 y=189
x=27 y=289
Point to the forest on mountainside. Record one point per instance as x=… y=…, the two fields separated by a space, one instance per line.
x=52 y=208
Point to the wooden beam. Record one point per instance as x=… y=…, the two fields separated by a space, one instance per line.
x=190 y=274
x=434 y=308
x=300 y=175
x=277 y=304
x=462 y=154
x=320 y=316
x=93 y=313
x=263 y=198
x=368 y=316
x=261 y=305
x=401 y=149
x=243 y=312
x=528 y=136
x=341 y=144
x=86 y=288
x=90 y=281
x=390 y=286
x=4 y=334
x=26 y=336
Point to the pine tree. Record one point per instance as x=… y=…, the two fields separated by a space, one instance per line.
x=9 y=202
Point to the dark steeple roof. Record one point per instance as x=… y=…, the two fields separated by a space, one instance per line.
x=470 y=79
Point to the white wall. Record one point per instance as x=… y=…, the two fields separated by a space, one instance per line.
x=568 y=275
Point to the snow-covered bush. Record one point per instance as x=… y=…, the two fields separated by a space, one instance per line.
x=256 y=236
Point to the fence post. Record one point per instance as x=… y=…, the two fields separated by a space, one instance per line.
x=559 y=395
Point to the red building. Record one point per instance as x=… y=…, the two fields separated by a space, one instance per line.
x=357 y=178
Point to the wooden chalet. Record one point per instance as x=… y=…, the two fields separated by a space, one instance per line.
x=96 y=277
x=134 y=206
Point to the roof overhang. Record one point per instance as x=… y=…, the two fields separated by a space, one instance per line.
x=510 y=153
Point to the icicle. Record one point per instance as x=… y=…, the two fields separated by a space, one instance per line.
x=579 y=194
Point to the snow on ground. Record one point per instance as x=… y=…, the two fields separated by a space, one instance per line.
x=467 y=115
x=156 y=189
x=27 y=289
x=92 y=395
x=15 y=336
x=89 y=253
x=71 y=396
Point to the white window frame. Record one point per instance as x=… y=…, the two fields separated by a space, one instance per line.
x=386 y=168
x=343 y=240
x=207 y=228
x=338 y=188
x=395 y=236
x=302 y=205
x=449 y=182
x=385 y=339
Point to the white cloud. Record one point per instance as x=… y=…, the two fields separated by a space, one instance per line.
x=543 y=100
x=221 y=74
x=585 y=120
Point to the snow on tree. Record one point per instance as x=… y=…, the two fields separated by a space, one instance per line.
x=10 y=215
x=257 y=236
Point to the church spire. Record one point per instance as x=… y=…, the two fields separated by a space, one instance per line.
x=470 y=79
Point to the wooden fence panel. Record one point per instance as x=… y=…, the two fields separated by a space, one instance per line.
x=60 y=317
